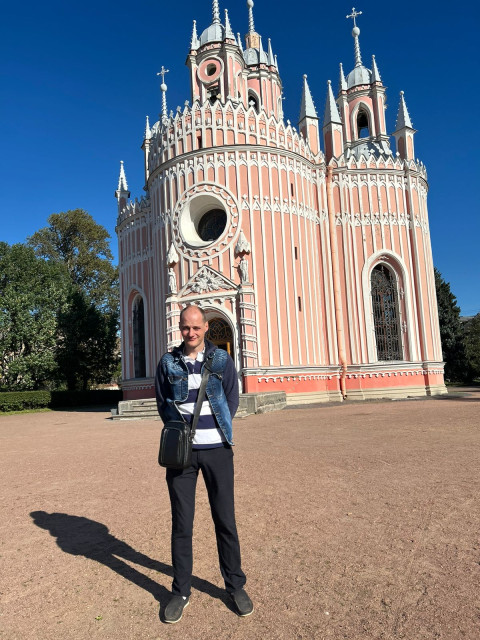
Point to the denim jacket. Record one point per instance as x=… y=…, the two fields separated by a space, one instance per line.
x=171 y=386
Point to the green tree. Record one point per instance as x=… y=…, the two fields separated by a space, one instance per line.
x=451 y=332
x=87 y=343
x=88 y=326
x=471 y=340
x=32 y=292
x=76 y=240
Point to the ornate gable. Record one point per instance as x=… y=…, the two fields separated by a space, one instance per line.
x=205 y=281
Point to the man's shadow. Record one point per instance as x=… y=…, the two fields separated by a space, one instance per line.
x=83 y=537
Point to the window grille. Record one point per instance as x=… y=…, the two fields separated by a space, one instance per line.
x=139 y=339
x=219 y=331
x=386 y=314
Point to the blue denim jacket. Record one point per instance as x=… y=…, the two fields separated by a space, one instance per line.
x=171 y=386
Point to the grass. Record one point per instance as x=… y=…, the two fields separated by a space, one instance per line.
x=13 y=413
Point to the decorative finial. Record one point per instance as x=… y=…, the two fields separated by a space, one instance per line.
x=403 y=117
x=307 y=107
x=331 y=110
x=148 y=133
x=194 y=43
x=343 y=81
x=122 y=179
x=251 y=25
x=163 y=88
x=355 y=34
x=229 y=35
x=375 y=73
x=239 y=42
x=271 y=58
x=216 y=12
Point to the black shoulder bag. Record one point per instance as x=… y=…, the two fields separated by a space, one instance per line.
x=177 y=435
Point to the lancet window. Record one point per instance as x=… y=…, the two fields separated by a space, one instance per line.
x=363 y=129
x=138 y=325
x=386 y=314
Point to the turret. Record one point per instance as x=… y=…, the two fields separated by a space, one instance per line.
x=332 y=127
x=361 y=102
x=404 y=132
x=308 y=120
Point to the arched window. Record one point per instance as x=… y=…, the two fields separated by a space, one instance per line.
x=253 y=101
x=139 y=338
x=363 y=130
x=386 y=314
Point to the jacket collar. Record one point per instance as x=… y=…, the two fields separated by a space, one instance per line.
x=177 y=352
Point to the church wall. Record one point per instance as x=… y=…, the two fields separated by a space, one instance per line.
x=280 y=302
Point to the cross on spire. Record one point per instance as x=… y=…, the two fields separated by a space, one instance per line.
x=354 y=15
x=162 y=73
x=163 y=89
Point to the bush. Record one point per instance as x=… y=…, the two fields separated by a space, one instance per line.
x=65 y=399
x=20 y=400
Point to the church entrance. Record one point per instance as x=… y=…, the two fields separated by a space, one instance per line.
x=220 y=333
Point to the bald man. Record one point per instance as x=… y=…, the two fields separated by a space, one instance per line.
x=177 y=382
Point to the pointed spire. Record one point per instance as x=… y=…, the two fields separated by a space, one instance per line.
x=276 y=62
x=343 y=80
x=403 y=117
x=122 y=179
x=216 y=12
x=122 y=193
x=148 y=132
x=355 y=34
x=307 y=107
x=375 y=73
x=194 y=44
x=271 y=59
x=251 y=25
x=239 y=42
x=163 y=88
x=331 y=110
x=261 y=52
x=229 y=35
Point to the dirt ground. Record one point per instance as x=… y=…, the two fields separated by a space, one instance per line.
x=356 y=521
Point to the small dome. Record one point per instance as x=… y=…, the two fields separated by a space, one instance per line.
x=253 y=56
x=214 y=33
x=359 y=75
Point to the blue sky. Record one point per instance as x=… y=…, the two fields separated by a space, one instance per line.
x=78 y=79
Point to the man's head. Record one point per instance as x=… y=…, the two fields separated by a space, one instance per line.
x=193 y=327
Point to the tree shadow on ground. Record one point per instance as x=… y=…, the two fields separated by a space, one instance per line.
x=80 y=536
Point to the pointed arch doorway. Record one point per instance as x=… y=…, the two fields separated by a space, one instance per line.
x=221 y=334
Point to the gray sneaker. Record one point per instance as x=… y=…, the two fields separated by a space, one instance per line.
x=243 y=604
x=174 y=610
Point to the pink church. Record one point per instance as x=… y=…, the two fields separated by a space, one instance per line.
x=314 y=267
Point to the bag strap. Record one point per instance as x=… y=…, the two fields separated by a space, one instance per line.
x=198 y=405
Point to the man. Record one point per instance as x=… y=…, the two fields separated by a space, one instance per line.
x=177 y=382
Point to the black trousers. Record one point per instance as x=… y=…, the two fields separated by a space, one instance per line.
x=217 y=470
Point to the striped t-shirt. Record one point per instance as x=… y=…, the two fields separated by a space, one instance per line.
x=207 y=434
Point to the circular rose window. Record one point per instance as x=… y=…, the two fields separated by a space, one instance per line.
x=203 y=220
x=212 y=224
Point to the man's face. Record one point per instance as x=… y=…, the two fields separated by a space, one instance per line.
x=193 y=330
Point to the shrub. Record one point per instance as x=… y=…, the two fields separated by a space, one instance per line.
x=20 y=400
x=65 y=399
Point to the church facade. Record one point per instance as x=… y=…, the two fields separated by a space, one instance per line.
x=314 y=267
